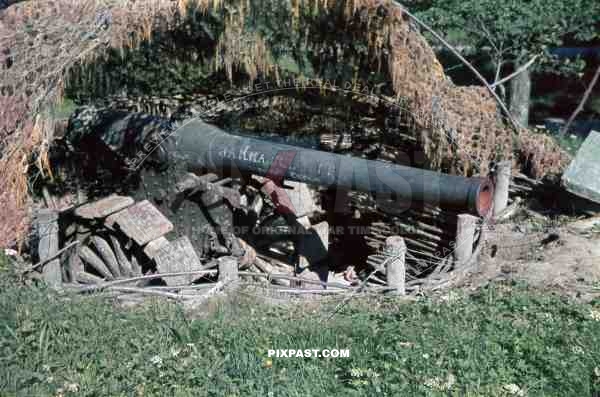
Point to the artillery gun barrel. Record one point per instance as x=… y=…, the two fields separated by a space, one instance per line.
x=203 y=145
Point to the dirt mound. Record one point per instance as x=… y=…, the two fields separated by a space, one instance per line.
x=557 y=259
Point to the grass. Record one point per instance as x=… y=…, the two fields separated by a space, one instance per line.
x=505 y=340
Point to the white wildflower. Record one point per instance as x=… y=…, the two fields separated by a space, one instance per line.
x=514 y=390
x=440 y=384
x=175 y=352
x=72 y=387
x=156 y=360
x=595 y=314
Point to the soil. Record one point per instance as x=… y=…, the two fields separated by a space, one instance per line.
x=557 y=259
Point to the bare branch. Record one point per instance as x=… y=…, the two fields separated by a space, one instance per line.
x=516 y=72
x=51 y=258
x=500 y=102
x=582 y=103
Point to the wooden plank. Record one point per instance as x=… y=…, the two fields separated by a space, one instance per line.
x=396 y=269
x=124 y=263
x=141 y=222
x=104 y=207
x=47 y=231
x=107 y=255
x=228 y=270
x=95 y=262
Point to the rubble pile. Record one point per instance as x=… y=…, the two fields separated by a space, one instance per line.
x=207 y=232
x=117 y=240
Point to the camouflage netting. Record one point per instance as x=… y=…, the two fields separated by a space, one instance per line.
x=47 y=45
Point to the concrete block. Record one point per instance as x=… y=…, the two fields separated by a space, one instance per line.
x=582 y=177
x=178 y=256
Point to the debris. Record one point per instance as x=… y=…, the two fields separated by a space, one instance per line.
x=350 y=275
x=336 y=141
x=535 y=215
x=124 y=264
x=511 y=210
x=146 y=291
x=135 y=267
x=263 y=266
x=83 y=232
x=87 y=278
x=47 y=230
x=269 y=269
x=312 y=275
x=105 y=284
x=582 y=177
x=341 y=279
x=228 y=270
x=48 y=259
x=255 y=208
x=192 y=181
x=314 y=244
x=50 y=202
x=212 y=193
x=249 y=255
x=107 y=255
x=141 y=222
x=302 y=199
x=95 y=262
x=74 y=267
x=155 y=247
x=178 y=256
x=104 y=207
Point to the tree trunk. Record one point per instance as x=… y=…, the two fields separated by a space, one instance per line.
x=520 y=95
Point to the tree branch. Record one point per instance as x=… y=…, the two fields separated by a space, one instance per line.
x=501 y=103
x=582 y=103
x=51 y=258
x=516 y=72
x=499 y=65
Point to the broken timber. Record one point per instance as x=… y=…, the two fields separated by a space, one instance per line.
x=47 y=230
